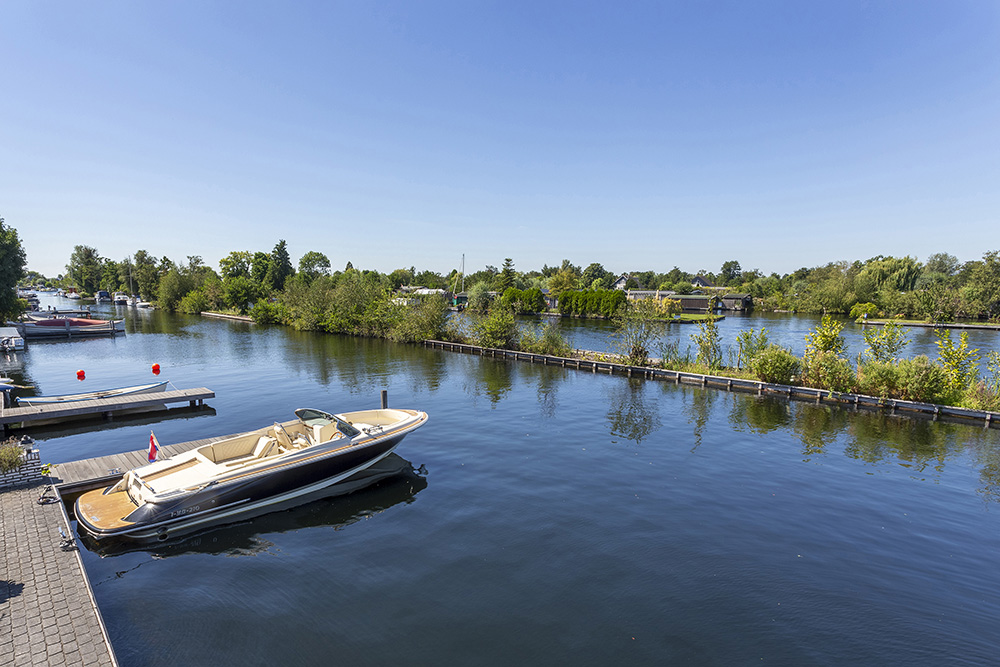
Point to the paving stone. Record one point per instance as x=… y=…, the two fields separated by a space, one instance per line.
x=46 y=613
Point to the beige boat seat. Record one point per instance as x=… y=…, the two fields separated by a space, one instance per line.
x=266 y=446
x=284 y=440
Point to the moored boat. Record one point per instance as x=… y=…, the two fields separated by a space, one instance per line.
x=150 y=388
x=243 y=475
x=51 y=327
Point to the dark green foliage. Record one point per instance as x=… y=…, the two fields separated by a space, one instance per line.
x=523 y=302
x=591 y=303
x=922 y=380
x=776 y=365
x=84 y=269
x=193 y=302
x=268 y=312
x=12 y=261
x=240 y=293
x=827 y=370
x=878 y=378
x=497 y=330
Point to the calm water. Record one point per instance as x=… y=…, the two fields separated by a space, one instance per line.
x=565 y=518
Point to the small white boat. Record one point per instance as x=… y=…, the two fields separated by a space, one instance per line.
x=102 y=296
x=229 y=479
x=10 y=339
x=120 y=299
x=91 y=395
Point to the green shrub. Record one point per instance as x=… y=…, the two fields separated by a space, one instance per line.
x=709 y=346
x=960 y=364
x=750 y=346
x=267 y=312
x=862 y=311
x=885 y=342
x=10 y=456
x=193 y=302
x=421 y=321
x=920 y=379
x=498 y=330
x=982 y=396
x=879 y=378
x=827 y=370
x=776 y=365
x=545 y=340
x=825 y=338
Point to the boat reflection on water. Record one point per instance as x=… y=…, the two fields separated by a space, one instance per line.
x=391 y=481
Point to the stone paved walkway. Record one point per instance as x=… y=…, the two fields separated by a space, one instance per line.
x=47 y=616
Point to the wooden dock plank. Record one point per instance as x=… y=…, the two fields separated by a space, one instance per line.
x=67 y=411
x=75 y=472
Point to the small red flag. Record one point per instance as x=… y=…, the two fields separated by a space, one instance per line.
x=154 y=447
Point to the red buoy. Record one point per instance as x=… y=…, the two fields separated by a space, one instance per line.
x=80 y=375
x=156 y=369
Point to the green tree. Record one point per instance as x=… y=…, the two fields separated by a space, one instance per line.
x=12 y=262
x=982 y=291
x=147 y=274
x=280 y=267
x=505 y=278
x=84 y=268
x=314 y=264
x=562 y=281
x=236 y=263
x=731 y=273
x=240 y=292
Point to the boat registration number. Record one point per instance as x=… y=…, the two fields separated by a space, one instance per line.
x=186 y=510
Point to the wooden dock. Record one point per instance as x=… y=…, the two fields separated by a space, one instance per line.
x=77 y=476
x=28 y=416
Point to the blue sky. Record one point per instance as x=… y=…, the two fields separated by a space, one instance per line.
x=395 y=134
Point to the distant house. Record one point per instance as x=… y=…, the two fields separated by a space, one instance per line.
x=742 y=302
x=623 y=281
x=551 y=302
x=699 y=281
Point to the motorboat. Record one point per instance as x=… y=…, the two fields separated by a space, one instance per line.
x=243 y=475
x=102 y=296
x=45 y=325
x=361 y=496
x=150 y=388
x=120 y=299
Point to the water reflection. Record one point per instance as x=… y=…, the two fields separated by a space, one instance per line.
x=631 y=412
x=760 y=414
x=698 y=409
x=393 y=482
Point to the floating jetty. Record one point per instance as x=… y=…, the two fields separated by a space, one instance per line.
x=22 y=417
x=791 y=392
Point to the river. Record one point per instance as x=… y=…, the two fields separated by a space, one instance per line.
x=560 y=517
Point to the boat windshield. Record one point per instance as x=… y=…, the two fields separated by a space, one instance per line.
x=313 y=417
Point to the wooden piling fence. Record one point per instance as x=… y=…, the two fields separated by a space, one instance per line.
x=895 y=406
